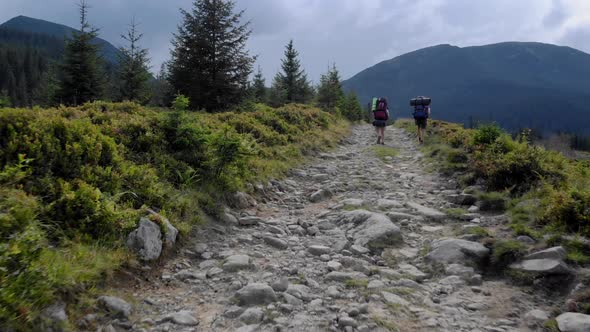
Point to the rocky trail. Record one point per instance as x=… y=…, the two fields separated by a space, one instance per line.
x=349 y=242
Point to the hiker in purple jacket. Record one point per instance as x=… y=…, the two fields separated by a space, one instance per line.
x=380 y=117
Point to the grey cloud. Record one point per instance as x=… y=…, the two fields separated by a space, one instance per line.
x=353 y=33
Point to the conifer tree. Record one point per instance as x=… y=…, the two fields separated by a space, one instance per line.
x=134 y=68
x=210 y=63
x=293 y=80
x=330 y=90
x=259 y=87
x=81 y=75
x=351 y=107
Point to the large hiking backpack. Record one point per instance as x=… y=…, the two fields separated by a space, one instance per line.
x=420 y=112
x=380 y=110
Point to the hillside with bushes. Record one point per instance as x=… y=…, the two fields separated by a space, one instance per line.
x=75 y=181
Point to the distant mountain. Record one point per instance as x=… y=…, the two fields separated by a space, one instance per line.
x=533 y=85
x=50 y=30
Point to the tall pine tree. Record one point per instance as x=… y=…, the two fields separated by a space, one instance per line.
x=210 y=63
x=134 y=68
x=259 y=87
x=330 y=90
x=292 y=81
x=81 y=75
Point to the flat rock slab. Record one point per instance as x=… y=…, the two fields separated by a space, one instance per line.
x=426 y=211
x=317 y=250
x=249 y=221
x=236 y=263
x=386 y=204
x=412 y=272
x=397 y=216
x=459 y=251
x=557 y=253
x=542 y=267
x=115 y=306
x=573 y=322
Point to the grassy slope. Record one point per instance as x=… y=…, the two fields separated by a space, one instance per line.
x=73 y=182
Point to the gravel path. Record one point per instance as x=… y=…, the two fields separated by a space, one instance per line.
x=350 y=242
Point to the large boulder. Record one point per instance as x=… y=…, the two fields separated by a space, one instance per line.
x=371 y=230
x=573 y=322
x=146 y=240
x=448 y=251
x=256 y=294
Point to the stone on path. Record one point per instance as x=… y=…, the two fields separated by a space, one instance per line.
x=318 y=250
x=256 y=294
x=397 y=216
x=344 y=276
x=146 y=240
x=249 y=221
x=252 y=316
x=353 y=202
x=449 y=251
x=276 y=242
x=556 y=253
x=320 y=195
x=573 y=322
x=535 y=318
x=184 y=317
x=374 y=231
x=426 y=211
x=412 y=272
x=280 y=285
x=334 y=266
x=115 y=306
x=235 y=263
x=386 y=204
x=391 y=298
x=462 y=199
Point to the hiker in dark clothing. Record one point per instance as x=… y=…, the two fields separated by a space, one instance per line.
x=380 y=117
x=421 y=115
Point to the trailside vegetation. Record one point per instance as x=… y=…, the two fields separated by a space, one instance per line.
x=74 y=181
x=548 y=191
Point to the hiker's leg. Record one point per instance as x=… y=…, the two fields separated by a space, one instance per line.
x=378 y=134
x=383 y=134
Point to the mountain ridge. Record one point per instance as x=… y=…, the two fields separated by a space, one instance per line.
x=43 y=27
x=517 y=84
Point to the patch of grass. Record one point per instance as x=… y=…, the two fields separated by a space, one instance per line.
x=382 y=152
x=455 y=212
x=386 y=324
x=506 y=252
x=578 y=251
x=425 y=250
x=356 y=283
x=404 y=291
x=551 y=326
x=478 y=230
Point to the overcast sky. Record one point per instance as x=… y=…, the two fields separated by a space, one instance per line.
x=355 y=34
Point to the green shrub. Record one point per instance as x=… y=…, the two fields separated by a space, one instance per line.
x=486 y=134
x=180 y=103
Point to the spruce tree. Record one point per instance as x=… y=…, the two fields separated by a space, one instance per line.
x=330 y=90
x=293 y=80
x=352 y=108
x=259 y=87
x=81 y=74
x=134 y=68
x=210 y=63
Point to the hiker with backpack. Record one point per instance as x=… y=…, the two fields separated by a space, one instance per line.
x=380 y=117
x=421 y=114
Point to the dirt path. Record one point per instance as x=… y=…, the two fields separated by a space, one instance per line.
x=305 y=266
